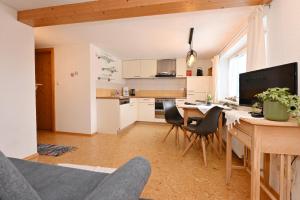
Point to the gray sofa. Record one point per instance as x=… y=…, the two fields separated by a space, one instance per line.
x=25 y=180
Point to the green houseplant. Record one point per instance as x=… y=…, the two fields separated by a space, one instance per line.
x=278 y=104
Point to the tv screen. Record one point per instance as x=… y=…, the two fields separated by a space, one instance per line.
x=252 y=83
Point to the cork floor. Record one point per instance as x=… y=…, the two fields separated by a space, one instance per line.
x=173 y=177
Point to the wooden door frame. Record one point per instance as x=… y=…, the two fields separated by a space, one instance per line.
x=51 y=50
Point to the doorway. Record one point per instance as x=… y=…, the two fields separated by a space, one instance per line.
x=45 y=89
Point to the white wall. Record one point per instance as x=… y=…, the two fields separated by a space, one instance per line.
x=17 y=86
x=117 y=82
x=284 y=47
x=284 y=33
x=75 y=96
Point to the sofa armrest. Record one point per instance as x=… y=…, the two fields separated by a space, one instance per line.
x=127 y=183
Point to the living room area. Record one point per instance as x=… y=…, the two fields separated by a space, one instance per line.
x=176 y=99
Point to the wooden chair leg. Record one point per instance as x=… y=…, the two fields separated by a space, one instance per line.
x=185 y=133
x=168 y=133
x=204 y=151
x=189 y=146
x=213 y=145
x=176 y=135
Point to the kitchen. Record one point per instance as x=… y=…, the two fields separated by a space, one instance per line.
x=147 y=84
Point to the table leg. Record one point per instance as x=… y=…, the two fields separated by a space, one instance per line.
x=267 y=158
x=185 y=116
x=255 y=166
x=288 y=177
x=228 y=157
x=220 y=127
x=282 y=178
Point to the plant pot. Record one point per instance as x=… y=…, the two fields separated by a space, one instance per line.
x=275 y=111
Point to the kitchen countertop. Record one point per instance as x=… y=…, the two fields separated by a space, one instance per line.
x=156 y=97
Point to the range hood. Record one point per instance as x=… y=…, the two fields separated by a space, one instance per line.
x=166 y=68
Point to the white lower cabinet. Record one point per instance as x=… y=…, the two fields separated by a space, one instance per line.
x=180 y=103
x=125 y=116
x=133 y=110
x=146 y=109
x=108 y=116
x=113 y=117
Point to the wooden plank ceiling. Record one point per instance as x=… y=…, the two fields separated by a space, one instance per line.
x=117 y=9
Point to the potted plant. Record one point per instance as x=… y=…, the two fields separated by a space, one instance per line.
x=278 y=104
x=209 y=99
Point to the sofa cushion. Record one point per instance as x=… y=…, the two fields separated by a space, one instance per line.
x=13 y=185
x=54 y=182
x=127 y=183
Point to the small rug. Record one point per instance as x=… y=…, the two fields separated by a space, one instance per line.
x=54 y=150
x=89 y=168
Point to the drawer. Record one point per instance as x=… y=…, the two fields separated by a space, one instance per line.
x=133 y=100
x=241 y=136
x=245 y=127
x=146 y=100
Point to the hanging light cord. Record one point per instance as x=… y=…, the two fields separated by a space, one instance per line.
x=191 y=37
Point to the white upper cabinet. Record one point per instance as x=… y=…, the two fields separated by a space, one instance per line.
x=148 y=68
x=139 y=68
x=198 y=84
x=131 y=69
x=181 y=67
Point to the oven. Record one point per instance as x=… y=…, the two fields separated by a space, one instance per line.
x=159 y=107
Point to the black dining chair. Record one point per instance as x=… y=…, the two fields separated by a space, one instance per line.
x=204 y=130
x=173 y=117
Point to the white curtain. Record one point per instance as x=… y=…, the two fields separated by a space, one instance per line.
x=215 y=74
x=256 y=48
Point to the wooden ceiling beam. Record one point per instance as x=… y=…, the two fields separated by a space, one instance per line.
x=118 y=9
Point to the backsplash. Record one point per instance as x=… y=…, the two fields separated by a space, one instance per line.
x=156 y=84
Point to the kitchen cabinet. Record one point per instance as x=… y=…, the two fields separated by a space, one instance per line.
x=113 y=117
x=181 y=67
x=131 y=69
x=148 y=68
x=125 y=116
x=133 y=110
x=108 y=116
x=198 y=87
x=146 y=110
x=139 y=68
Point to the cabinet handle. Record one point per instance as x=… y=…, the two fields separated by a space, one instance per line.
x=151 y=104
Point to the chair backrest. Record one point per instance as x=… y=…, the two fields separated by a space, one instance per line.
x=171 y=111
x=209 y=124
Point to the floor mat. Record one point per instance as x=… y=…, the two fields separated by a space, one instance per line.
x=54 y=150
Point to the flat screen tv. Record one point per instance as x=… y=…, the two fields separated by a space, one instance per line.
x=252 y=83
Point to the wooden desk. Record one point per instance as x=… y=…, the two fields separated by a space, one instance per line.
x=264 y=136
x=193 y=111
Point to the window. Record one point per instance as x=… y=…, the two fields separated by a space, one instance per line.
x=237 y=65
x=233 y=61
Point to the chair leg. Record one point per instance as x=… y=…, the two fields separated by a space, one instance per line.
x=213 y=145
x=176 y=136
x=204 y=151
x=189 y=146
x=185 y=134
x=168 y=133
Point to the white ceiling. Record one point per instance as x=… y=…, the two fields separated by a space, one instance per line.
x=163 y=36
x=32 y=4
